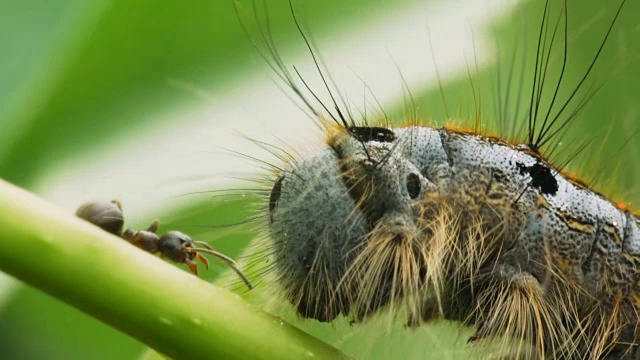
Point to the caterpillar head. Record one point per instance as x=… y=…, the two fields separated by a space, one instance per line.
x=346 y=225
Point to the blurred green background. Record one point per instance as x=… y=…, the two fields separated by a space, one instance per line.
x=81 y=79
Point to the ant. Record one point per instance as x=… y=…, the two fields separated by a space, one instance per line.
x=174 y=245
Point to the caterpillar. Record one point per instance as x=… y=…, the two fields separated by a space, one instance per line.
x=432 y=223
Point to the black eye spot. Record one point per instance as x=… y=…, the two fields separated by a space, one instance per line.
x=275 y=194
x=413 y=185
x=366 y=133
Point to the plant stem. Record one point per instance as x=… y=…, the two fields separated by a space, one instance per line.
x=168 y=309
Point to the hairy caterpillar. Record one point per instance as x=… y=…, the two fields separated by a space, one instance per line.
x=446 y=223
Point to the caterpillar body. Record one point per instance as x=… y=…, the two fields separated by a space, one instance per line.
x=458 y=225
x=440 y=222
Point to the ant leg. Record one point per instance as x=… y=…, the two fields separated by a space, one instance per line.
x=154 y=226
x=117 y=203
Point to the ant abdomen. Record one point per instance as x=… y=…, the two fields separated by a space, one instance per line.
x=106 y=215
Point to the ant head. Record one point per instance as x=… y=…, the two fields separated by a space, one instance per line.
x=173 y=244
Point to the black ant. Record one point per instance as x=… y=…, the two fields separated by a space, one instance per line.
x=174 y=245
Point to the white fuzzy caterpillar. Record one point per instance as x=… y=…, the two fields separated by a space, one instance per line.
x=455 y=225
x=442 y=223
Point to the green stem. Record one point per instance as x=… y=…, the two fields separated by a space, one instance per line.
x=166 y=308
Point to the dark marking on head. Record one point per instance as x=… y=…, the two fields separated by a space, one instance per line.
x=275 y=196
x=541 y=177
x=398 y=239
x=307 y=258
x=366 y=134
x=413 y=185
